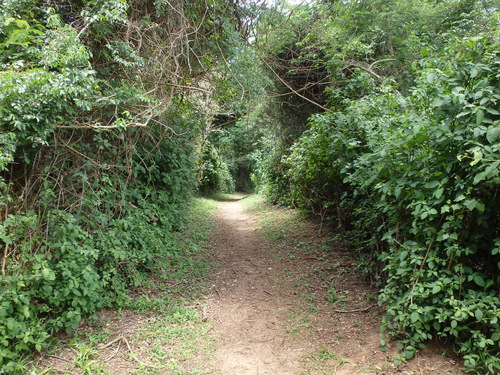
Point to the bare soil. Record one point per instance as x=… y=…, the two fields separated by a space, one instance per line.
x=297 y=304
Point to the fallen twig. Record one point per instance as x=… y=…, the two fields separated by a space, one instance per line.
x=59 y=358
x=216 y=291
x=114 y=354
x=122 y=338
x=364 y=309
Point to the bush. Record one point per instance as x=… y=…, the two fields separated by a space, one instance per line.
x=419 y=176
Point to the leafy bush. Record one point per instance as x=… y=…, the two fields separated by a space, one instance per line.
x=418 y=176
x=62 y=266
x=215 y=174
x=92 y=193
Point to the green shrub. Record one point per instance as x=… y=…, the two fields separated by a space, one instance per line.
x=418 y=177
x=215 y=176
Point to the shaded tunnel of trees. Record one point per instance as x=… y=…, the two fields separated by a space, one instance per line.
x=379 y=118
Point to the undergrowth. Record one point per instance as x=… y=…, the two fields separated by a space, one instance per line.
x=161 y=295
x=416 y=179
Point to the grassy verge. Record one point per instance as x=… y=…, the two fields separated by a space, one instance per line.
x=159 y=329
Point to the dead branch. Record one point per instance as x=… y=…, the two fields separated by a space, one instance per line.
x=122 y=338
x=291 y=88
x=364 y=309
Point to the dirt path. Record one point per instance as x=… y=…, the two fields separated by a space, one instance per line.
x=287 y=306
x=247 y=308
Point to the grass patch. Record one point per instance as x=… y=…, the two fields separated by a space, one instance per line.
x=324 y=361
x=174 y=341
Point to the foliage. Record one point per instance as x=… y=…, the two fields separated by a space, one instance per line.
x=380 y=116
x=216 y=176
x=98 y=131
x=405 y=154
x=420 y=175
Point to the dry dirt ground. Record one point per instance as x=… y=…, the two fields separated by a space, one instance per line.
x=283 y=300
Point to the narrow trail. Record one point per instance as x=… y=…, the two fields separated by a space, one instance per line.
x=247 y=306
x=273 y=312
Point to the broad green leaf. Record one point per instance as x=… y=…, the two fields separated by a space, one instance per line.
x=493 y=133
x=6 y=239
x=479 y=280
x=408 y=354
x=479 y=131
x=48 y=274
x=439 y=193
x=478 y=314
x=432 y=184
x=489 y=172
x=414 y=317
x=479 y=117
x=470 y=204
x=492 y=111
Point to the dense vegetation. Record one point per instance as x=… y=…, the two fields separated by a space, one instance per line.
x=380 y=117
x=104 y=105
x=401 y=152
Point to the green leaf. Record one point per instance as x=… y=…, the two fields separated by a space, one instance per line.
x=439 y=193
x=479 y=117
x=6 y=239
x=492 y=134
x=408 y=354
x=471 y=204
x=492 y=111
x=414 y=317
x=478 y=314
x=48 y=274
x=432 y=184
x=479 y=280
x=490 y=171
